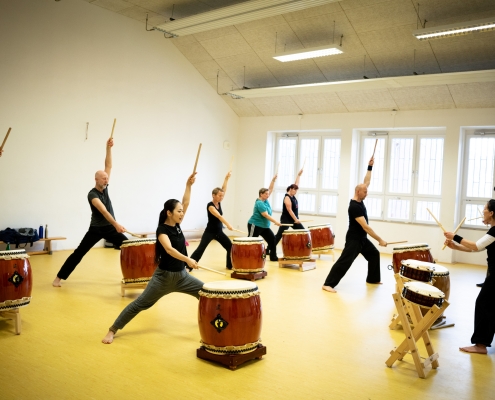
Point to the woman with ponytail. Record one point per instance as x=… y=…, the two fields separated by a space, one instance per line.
x=484 y=312
x=171 y=259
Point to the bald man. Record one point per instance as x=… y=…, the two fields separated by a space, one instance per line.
x=356 y=240
x=103 y=224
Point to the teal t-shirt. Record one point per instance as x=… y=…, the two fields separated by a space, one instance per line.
x=258 y=219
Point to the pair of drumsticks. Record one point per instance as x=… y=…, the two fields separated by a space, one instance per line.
x=441 y=226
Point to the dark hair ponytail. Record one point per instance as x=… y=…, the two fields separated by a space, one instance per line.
x=168 y=206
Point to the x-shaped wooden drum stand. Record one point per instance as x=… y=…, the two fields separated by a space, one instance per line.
x=421 y=325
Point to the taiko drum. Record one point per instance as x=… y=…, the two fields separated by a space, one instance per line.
x=137 y=260
x=422 y=294
x=247 y=254
x=322 y=237
x=417 y=270
x=418 y=251
x=16 y=279
x=296 y=244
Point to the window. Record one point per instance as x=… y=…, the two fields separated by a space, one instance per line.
x=319 y=156
x=406 y=178
x=479 y=179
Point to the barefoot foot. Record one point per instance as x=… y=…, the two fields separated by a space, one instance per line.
x=108 y=338
x=477 y=348
x=57 y=282
x=329 y=289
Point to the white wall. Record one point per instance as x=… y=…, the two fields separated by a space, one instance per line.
x=67 y=63
x=251 y=163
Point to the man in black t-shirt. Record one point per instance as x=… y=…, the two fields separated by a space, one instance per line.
x=103 y=224
x=356 y=240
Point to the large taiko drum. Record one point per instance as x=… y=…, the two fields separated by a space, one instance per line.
x=230 y=317
x=322 y=237
x=247 y=254
x=441 y=280
x=16 y=279
x=296 y=244
x=422 y=294
x=418 y=251
x=417 y=270
x=137 y=260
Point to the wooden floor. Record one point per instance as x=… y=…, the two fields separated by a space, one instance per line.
x=319 y=345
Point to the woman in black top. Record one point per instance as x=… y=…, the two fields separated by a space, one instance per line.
x=171 y=257
x=484 y=312
x=214 y=228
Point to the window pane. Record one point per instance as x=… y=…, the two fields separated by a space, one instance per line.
x=329 y=204
x=480 y=167
x=422 y=213
x=473 y=211
x=331 y=163
x=374 y=207
x=309 y=157
x=307 y=202
x=287 y=158
x=398 y=209
x=430 y=166
x=278 y=199
x=401 y=151
x=376 y=184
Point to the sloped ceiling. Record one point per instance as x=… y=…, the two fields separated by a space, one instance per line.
x=377 y=43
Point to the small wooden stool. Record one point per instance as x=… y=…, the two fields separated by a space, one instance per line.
x=304 y=265
x=15 y=315
x=421 y=325
x=232 y=360
x=249 y=276
x=320 y=252
x=132 y=285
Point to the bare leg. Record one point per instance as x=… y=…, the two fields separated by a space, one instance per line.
x=329 y=289
x=477 y=348
x=108 y=338
x=57 y=282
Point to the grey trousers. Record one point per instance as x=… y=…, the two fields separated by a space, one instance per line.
x=162 y=283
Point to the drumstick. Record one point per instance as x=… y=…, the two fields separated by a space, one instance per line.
x=376 y=142
x=113 y=127
x=276 y=171
x=456 y=229
x=212 y=270
x=197 y=158
x=306 y=220
x=402 y=241
x=304 y=163
x=133 y=234
x=286 y=224
x=237 y=230
x=5 y=139
x=472 y=219
x=437 y=221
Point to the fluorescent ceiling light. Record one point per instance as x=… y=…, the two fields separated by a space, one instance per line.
x=236 y=14
x=460 y=28
x=308 y=53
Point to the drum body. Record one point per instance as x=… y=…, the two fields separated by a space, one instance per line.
x=422 y=294
x=417 y=270
x=322 y=237
x=296 y=244
x=230 y=317
x=247 y=254
x=137 y=260
x=418 y=251
x=16 y=279
x=441 y=280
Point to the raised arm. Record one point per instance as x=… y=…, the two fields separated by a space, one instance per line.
x=272 y=184
x=108 y=158
x=362 y=221
x=226 y=181
x=214 y=211
x=367 y=177
x=298 y=177
x=101 y=208
x=187 y=193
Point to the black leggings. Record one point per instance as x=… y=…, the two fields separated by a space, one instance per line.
x=267 y=234
x=484 y=313
x=207 y=237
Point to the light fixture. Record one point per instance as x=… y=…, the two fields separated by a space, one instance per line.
x=460 y=28
x=236 y=14
x=483 y=133
x=378 y=133
x=307 y=53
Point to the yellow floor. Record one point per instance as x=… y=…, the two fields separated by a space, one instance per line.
x=319 y=345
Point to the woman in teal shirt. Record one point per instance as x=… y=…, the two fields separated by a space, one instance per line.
x=259 y=223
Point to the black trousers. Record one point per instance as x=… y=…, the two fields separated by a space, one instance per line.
x=351 y=250
x=267 y=234
x=282 y=229
x=207 y=237
x=93 y=236
x=484 y=313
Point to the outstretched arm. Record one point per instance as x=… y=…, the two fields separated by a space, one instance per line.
x=367 y=177
x=187 y=193
x=225 y=181
x=165 y=241
x=288 y=206
x=298 y=177
x=108 y=158
x=371 y=232
x=101 y=208
x=214 y=211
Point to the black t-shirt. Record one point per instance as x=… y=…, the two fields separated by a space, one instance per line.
x=97 y=218
x=214 y=224
x=286 y=217
x=176 y=237
x=356 y=209
x=490 y=250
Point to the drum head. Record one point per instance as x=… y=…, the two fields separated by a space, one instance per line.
x=411 y=247
x=229 y=286
x=137 y=242
x=320 y=226
x=421 y=265
x=296 y=232
x=19 y=253
x=248 y=240
x=440 y=270
x=424 y=289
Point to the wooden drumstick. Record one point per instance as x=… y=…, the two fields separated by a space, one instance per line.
x=197 y=158
x=402 y=241
x=212 y=270
x=306 y=220
x=456 y=229
x=5 y=139
x=304 y=163
x=276 y=171
x=472 y=219
x=376 y=142
x=133 y=234
x=113 y=127
x=286 y=224
x=237 y=230
x=437 y=221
